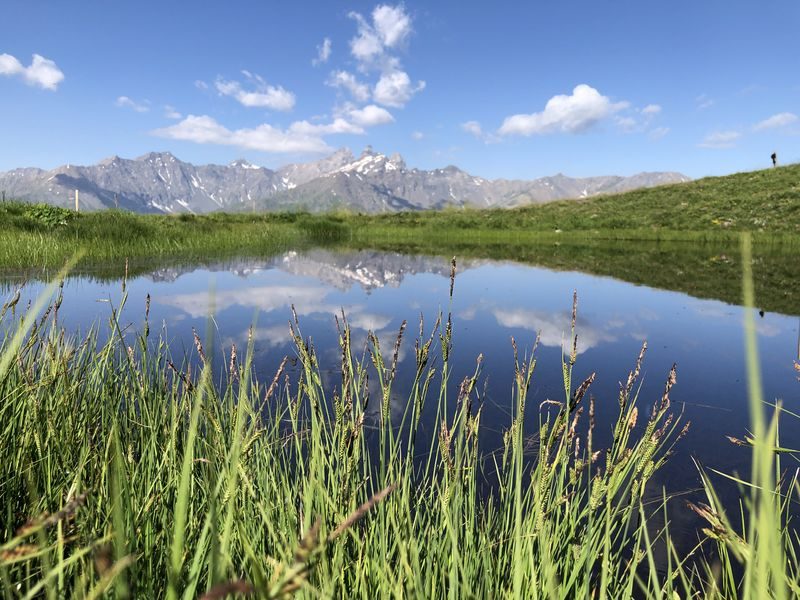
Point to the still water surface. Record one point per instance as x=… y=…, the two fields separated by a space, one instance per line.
x=493 y=301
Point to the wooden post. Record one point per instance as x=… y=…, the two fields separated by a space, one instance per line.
x=77 y=206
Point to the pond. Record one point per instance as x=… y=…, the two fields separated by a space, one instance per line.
x=493 y=301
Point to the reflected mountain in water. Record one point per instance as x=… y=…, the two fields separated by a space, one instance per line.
x=367 y=269
x=699 y=270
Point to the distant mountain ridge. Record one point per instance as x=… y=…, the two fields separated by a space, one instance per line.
x=373 y=182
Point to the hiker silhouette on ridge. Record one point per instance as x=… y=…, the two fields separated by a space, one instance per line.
x=774 y=158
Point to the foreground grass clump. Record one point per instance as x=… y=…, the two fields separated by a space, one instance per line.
x=125 y=473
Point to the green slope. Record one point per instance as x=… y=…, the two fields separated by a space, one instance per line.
x=760 y=201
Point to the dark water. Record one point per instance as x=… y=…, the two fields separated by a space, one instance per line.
x=493 y=301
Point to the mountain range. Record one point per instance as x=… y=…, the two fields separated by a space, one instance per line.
x=158 y=182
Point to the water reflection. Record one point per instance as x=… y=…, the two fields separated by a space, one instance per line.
x=493 y=301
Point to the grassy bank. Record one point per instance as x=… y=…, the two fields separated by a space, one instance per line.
x=124 y=473
x=710 y=209
x=680 y=237
x=47 y=236
x=715 y=209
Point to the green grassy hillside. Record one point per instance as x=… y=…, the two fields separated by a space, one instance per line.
x=758 y=201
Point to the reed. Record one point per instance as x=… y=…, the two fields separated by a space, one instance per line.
x=130 y=472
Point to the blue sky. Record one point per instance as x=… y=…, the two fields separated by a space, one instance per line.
x=501 y=89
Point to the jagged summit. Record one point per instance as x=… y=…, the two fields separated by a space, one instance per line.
x=241 y=163
x=371 y=161
x=156 y=156
x=373 y=182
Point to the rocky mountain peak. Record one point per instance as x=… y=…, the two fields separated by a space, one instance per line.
x=241 y=163
x=155 y=157
x=111 y=160
x=397 y=160
x=368 y=151
x=373 y=182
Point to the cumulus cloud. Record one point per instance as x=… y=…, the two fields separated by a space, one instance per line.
x=776 y=121
x=390 y=27
x=338 y=125
x=125 y=102
x=374 y=47
x=392 y=24
x=200 y=84
x=300 y=138
x=472 y=128
x=366 y=46
x=651 y=109
x=342 y=79
x=394 y=88
x=370 y=116
x=720 y=139
x=323 y=52
x=42 y=72
x=575 y=113
x=264 y=96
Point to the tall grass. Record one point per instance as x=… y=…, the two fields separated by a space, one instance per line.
x=129 y=472
x=46 y=236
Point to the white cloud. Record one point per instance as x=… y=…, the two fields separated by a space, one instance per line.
x=373 y=47
x=265 y=96
x=417 y=135
x=720 y=139
x=342 y=79
x=371 y=115
x=125 y=102
x=704 y=102
x=323 y=52
x=392 y=24
x=42 y=72
x=390 y=27
x=10 y=65
x=366 y=46
x=200 y=84
x=171 y=113
x=658 y=133
x=473 y=128
x=651 y=109
x=553 y=329
x=627 y=124
x=309 y=299
x=638 y=120
x=338 y=125
x=301 y=137
x=566 y=114
x=367 y=321
x=395 y=89
x=776 y=121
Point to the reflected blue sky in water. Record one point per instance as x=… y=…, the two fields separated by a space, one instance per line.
x=492 y=302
